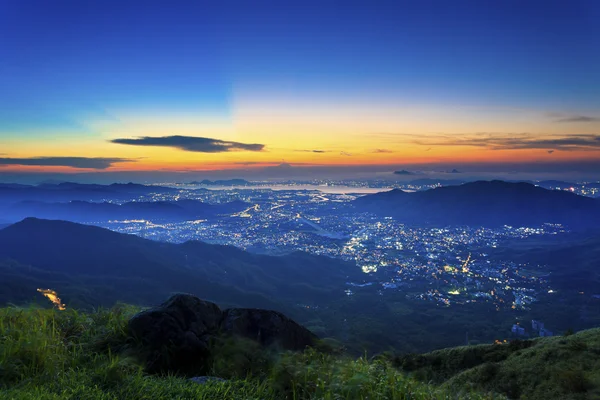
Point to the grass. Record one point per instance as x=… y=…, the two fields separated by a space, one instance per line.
x=49 y=354
x=562 y=367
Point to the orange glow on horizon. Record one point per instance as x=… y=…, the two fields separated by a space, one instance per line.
x=186 y=161
x=304 y=133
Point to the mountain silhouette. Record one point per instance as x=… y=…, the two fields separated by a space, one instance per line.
x=485 y=203
x=128 y=268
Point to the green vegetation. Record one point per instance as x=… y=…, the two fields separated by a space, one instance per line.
x=51 y=354
x=562 y=367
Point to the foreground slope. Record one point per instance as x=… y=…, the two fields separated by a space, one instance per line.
x=561 y=367
x=56 y=355
x=493 y=203
x=51 y=354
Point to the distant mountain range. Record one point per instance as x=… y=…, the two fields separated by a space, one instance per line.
x=485 y=203
x=223 y=182
x=547 y=184
x=431 y=181
x=95 y=266
x=83 y=211
x=67 y=191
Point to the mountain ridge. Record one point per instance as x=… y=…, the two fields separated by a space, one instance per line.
x=485 y=203
x=154 y=269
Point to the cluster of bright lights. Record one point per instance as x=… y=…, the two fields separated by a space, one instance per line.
x=53 y=297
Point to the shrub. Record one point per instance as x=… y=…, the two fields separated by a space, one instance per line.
x=510 y=386
x=573 y=381
x=59 y=355
x=577 y=345
x=237 y=357
x=569 y=332
x=487 y=372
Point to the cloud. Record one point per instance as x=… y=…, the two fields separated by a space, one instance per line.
x=578 y=118
x=381 y=151
x=550 y=151
x=404 y=172
x=344 y=153
x=312 y=151
x=191 y=143
x=74 y=162
x=514 y=141
x=267 y=163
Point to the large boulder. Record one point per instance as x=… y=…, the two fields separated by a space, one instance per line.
x=267 y=327
x=178 y=334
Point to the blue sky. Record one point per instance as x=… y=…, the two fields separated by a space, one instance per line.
x=81 y=53
x=65 y=65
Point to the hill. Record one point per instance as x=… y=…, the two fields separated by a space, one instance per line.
x=562 y=367
x=55 y=355
x=47 y=355
x=485 y=203
x=86 y=262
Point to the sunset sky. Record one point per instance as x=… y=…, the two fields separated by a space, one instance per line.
x=101 y=86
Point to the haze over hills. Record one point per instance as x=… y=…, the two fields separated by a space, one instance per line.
x=97 y=266
x=485 y=203
x=83 y=211
x=222 y=182
x=68 y=191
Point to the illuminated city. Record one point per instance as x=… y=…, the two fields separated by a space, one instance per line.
x=450 y=266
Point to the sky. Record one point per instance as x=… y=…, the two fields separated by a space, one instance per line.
x=134 y=88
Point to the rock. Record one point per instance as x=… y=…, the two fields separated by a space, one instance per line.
x=268 y=328
x=176 y=334
x=201 y=380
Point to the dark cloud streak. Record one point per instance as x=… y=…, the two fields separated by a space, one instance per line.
x=73 y=162
x=578 y=118
x=191 y=143
x=517 y=142
x=312 y=151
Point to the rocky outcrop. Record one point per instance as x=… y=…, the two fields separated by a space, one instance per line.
x=178 y=334
x=267 y=327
